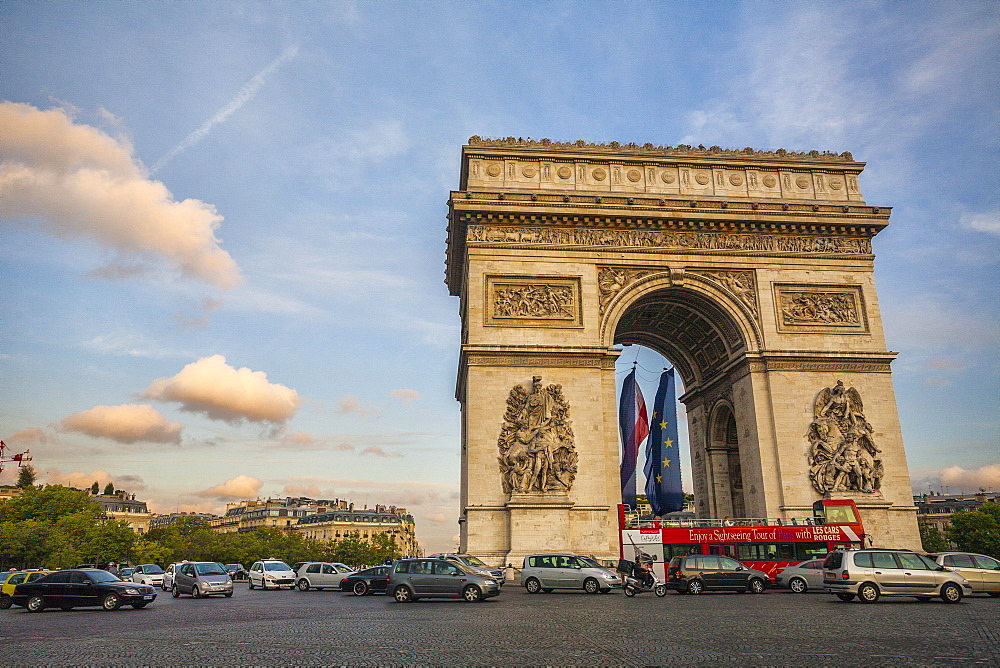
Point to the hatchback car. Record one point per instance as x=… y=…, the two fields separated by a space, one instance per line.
x=476 y=564
x=125 y=573
x=321 y=575
x=201 y=578
x=11 y=579
x=871 y=573
x=411 y=579
x=270 y=574
x=81 y=588
x=547 y=572
x=982 y=572
x=801 y=577
x=373 y=580
x=148 y=574
x=695 y=573
x=236 y=572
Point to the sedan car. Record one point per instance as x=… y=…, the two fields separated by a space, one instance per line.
x=236 y=572
x=982 y=572
x=13 y=578
x=801 y=577
x=320 y=575
x=373 y=580
x=81 y=588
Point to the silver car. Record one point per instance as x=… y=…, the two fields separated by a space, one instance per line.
x=321 y=575
x=411 y=579
x=869 y=574
x=801 y=577
x=201 y=578
x=982 y=572
x=547 y=572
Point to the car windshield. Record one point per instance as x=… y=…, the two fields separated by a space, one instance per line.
x=276 y=566
x=152 y=569
x=588 y=562
x=103 y=576
x=210 y=569
x=473 y=561
x=233 y=567
x=341 y=568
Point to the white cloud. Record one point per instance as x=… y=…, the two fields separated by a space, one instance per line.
x=988 y=222
x=221 y=392
x=28 y=437
x=84 y=183
x=379 y=452
x=959 y=479
x=235 y=489
x=437 y=519
x=128 y=423
x=406 y=396
x=81 y=480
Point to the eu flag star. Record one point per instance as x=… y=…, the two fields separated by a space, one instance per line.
x=666 y=462
x=663 y=425
x=659 y=478
x=669 y=442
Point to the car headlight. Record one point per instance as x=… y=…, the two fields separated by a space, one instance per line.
x=269 y=576
x=132 y=591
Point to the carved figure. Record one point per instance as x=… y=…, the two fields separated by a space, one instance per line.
x=844 y=454
x=537 y=452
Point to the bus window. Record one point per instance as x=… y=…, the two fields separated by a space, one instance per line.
x=814 y=550
x=840 y=515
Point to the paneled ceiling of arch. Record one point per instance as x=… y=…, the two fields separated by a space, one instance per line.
x=694 y=334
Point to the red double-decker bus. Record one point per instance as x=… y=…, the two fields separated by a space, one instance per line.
x=768 y=545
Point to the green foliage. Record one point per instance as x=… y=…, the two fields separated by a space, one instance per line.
x=26 y=476
x=932 y=540
x=977 y=531
x=95 y=488
x=47 y=504
x=109 y=489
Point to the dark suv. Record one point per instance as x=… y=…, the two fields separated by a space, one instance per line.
x=695 y=573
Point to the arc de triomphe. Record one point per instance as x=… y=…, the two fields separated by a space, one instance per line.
x=751 y=271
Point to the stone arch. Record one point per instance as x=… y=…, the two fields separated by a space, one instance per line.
x=723 y=466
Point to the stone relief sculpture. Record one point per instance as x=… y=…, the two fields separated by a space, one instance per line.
x=533 y=301
x=823 y=308
x=844 y=456
x=740 y=283
x=537 y=452
x=612 y=280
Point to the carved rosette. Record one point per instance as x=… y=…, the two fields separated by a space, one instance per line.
x=537 y=449
x=612 y=280
x=741 y=283
x=844 y=456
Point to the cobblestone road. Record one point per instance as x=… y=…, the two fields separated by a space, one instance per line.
x=572 y=628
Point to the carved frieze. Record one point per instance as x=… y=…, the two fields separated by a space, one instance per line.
x=536 y=443
x=820 y=308
x=526 y=301
x=740 y=282
x=612 y=280
x=843 y=454
x=755 y=243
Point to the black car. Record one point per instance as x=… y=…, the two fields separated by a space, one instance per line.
x=236 y=571
x=369 y=581
x=79 y=588
x=694 y=574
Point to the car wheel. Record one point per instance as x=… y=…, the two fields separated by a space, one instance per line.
x=629 y=591
x=111 y=602
x=868 y=593
x=472 y=594
x=533 y=586
x=660 y=590
x=845 y=597
x=195 y=591
x=756 y=586
x=950 y=593
x=140 y=606
x=35 y=604
x=250 y=582
x=591 y=586
x=695 y=587
x=798 y=585
x=360 y=588
x=303 y=585
x=402 y=594
x=5 y=602
x=174 y=591
x=228 y=594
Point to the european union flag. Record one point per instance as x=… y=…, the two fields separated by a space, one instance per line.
x=663 y=466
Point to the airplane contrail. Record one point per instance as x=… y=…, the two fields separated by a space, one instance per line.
x=244 y=95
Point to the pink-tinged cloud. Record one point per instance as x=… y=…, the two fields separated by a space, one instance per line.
x=379 y=452
x=28 y=437
x=438 y=519
x=309 y=491
x=959 y=479
x=81 y=480
x=343 y=447
x=128 y=423
x=298 y=438
x=221 y=392
x=406 y=396
x=235 y=489
x=351 y=404
x=84 y=183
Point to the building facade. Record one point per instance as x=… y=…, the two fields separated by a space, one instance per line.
x=123 y=507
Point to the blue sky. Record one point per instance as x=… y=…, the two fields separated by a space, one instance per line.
x=223 y=223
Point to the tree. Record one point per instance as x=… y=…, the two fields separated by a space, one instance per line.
x=977 y=531
x=95 y=488
x=932 y=540
x=26 y=476
x=109 y=489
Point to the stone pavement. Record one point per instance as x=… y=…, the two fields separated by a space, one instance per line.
x=515 y=629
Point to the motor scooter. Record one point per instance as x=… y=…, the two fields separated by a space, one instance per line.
x=637 y=580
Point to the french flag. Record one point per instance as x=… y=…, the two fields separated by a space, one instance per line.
x=634 y=426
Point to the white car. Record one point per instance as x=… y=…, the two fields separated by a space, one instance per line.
x=271 y=574
x=321 y=575
x=148 y=574
x=168 y=575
